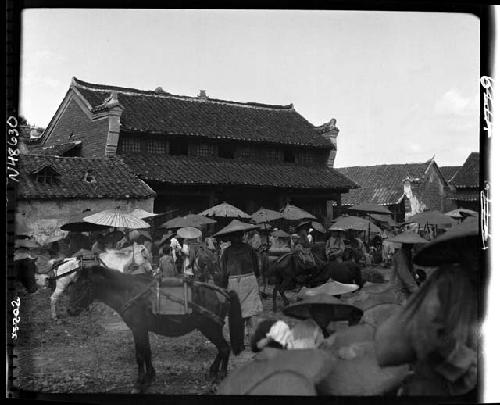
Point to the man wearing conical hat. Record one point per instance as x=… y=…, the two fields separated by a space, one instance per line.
x=438 y=329
x=240 y=270
x=402 y=276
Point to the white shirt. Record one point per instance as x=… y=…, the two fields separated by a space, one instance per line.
x=174 y=244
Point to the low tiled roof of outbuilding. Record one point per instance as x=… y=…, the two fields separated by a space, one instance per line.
x=381 y=184
x=191 y=170
x=113 y=179
x=159 y=112
x=468 y=175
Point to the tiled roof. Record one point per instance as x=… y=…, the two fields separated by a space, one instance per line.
x=448 y=171
x=382 y=184
x=54 y=150
x=113 y=179
x=164 y=113
x=468 y=174
x=462 y=195
x=208 y=171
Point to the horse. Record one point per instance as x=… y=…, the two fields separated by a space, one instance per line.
x=60 y=277
x=286 y=275
x=125 y=294
x=64 y=273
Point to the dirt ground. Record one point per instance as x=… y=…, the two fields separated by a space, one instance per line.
x=94 y=352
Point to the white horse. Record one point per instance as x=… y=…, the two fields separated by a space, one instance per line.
x=64 y=274
x=114 y=259
x=120 y=259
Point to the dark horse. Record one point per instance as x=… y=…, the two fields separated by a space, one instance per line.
x=116 y=290
x=285 y=274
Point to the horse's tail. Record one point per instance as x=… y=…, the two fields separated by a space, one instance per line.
x=236 y=324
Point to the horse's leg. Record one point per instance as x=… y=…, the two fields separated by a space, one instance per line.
x=145 y=370
x=60 y=285
x=53 y=300
x=281 y=290
x=213 y=332
x=275 y=297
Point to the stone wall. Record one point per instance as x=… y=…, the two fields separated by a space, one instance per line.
x=44 y=217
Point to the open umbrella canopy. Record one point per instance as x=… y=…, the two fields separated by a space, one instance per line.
x=370 y=207
x=431 y=218
x=77 y=224
x=354 y=223
x=266 y=215
x=142 y=214
x=225 y=210
x=191 y=220
x=293 y=213
x=116 y=218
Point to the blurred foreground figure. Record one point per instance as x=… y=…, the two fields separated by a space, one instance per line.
x=437 y=330
x=311 y=365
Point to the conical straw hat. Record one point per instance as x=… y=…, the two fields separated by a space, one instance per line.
x=408 y=237
x=461 y=240
x=236 y=226
x=340 y=311
x=329 y=288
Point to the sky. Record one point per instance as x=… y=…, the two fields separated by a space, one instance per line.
x=403 y=86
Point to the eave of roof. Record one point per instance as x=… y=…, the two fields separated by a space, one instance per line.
x=114 y=179
x=184 y=170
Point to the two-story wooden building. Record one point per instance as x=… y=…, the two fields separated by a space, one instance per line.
x=198 y=151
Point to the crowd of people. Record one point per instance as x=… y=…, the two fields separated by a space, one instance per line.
x=436 y=331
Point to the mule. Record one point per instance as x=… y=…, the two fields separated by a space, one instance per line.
x=122 y=292
x=285 y=275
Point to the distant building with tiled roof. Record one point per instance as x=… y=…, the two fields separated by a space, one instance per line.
x=405 y=189
x=53 y=189
x=449 y=171
x=197 y=151
x=466 y=183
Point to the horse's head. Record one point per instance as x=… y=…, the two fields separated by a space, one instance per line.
x=82 y=291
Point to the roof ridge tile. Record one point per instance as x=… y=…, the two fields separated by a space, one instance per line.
x=152 y=93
